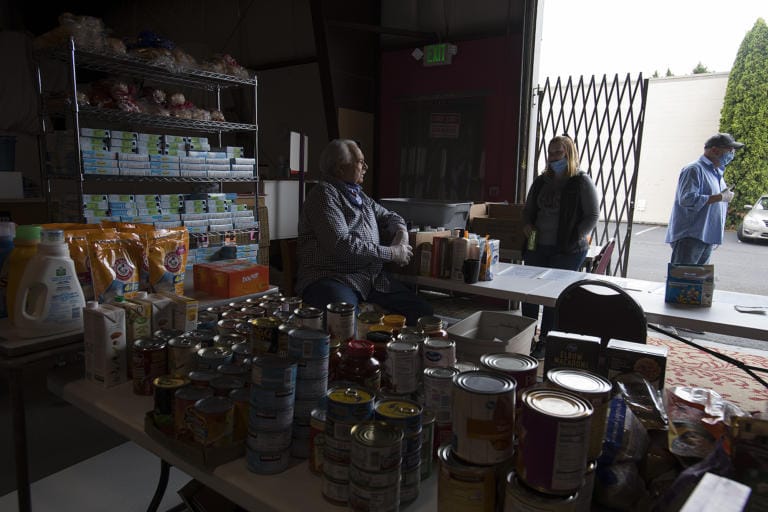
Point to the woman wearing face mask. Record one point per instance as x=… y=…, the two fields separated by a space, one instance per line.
x=562 y=208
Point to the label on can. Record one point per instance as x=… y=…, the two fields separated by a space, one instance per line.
x=340 y=320
x=402 y=366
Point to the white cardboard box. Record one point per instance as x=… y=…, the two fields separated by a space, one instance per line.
x=11 y=185
x=490 y=332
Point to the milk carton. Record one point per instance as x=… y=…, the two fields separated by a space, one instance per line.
x=104 y=340
x=161 y=309
x=184 y=311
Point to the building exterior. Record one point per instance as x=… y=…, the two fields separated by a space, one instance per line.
x=680 y=114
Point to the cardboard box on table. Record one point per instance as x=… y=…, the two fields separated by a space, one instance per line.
x=504 y=222
x=690 y=284
x=230 y=278
x=492 y=332
x=417 y=240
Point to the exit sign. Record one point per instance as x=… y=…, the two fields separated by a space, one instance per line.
x=439 y=54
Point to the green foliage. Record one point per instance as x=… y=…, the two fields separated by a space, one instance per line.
x=669 y=73
x=700 y=68
x=745 y=116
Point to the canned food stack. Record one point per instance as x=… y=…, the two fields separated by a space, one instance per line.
x=405 y=415
x=184 y=402
x=283 y=335
x=182 y=356
x=211 y=421
x=316 y=440
x=438 y=353
x=149 y=361
x=310 y=349
x=273 y=388
x=555 y=428
x=357 y=365
x=375 y=467
x=165 y=389
x=521 y=368
x=428 y=448
x=210 y=358
x=228 y=340
x=340 y=323
x=346 y=406
x=241 y=354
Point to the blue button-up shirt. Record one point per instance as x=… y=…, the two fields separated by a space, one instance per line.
x=691 y=216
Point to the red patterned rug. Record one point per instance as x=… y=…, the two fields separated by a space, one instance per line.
x=688 y=366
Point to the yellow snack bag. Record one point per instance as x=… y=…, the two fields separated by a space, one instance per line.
x=77 y=240
x=114 y=265
x=167 y=259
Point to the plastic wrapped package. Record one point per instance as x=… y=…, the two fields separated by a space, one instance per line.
x=154 y=95
x=643 y=399
x=115 y=45
x=87 y=31
x=217 y=115
x=626 y=439
x=183 y=59
x=620 y=487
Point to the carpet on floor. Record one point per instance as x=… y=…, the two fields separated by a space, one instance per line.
x=689 y=366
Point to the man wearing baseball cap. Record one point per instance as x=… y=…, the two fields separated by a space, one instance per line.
x=697 y=221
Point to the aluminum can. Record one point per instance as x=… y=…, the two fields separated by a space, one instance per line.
x=593 y=388
x=316 y=440
x=240 y=398
x=427 y=443
x=373 y=499
x=462 y=486
x=402 y=366
x=267 y=463
x=149 y=361
x=438 y=352
x=376 y=446
x=520 y=367
x=210 y=421
x=438 y=392
x=182 y=356
x=518 y=496
x=308 y=344
x=365 y=320
x=264 y=335
x=405 y=414
x=185 y=399
x=340 y=322
x=483 y=417
x=309 y=317
x=349 y=404
x=223 y=385
x=210 y=358
x=554 y=430
x=165 y=390
x=272 y=372
x=202 y=378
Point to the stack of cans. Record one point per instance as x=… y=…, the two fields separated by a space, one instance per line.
x=273 y=389
x=405 y=415
x=310 y=348
x=346 y=406
x=375 y=467
x=438 y=398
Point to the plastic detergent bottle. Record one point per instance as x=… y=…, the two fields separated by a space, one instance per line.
x=24 y=248
x=49 y=299
x=7 y=230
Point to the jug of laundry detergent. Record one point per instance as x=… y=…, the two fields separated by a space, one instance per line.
x=49 y=299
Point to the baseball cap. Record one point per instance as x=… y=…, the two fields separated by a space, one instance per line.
x=723 y=140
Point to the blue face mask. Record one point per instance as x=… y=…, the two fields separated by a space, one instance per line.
x=726 y=158
x=559 y=166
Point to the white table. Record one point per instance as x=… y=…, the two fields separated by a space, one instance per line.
x=294 y=489
x=539 y=285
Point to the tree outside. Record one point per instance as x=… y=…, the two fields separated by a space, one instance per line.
x=745 y=116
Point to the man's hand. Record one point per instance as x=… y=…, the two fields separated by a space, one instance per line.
x=727 y=195
x=400 y=238
x=401 y=254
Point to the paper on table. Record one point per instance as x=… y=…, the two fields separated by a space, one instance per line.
x=523 y=271
x=556 y=274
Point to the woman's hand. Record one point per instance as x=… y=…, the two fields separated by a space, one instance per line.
x=527 y=230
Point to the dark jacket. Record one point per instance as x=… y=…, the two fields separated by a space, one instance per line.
x=577 y=217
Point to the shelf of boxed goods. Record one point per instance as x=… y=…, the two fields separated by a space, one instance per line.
x=115 y=178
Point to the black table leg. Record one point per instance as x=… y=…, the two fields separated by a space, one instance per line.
x=162 y=484
x=16 y=391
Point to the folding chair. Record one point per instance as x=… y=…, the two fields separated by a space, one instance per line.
x=600 y=262
x=601 y=309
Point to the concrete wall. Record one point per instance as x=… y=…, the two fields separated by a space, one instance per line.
x=681 y=113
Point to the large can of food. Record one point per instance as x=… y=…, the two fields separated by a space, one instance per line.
x=264 y=335
x=520 y=367
x=291 y=304
x=438 y=392
x=483 y=417
x=309 y=317
x=308 y=344
x=185 y=399
x=253 y=311
x=439 y=352
x=592 y=388
x=518 y=496
x=241 y=352
x=554 y=430
x=227 y=325
x=272 y=372
x=373 y=499
x=396 y=322
x=365 y=321
x=211 y=420
x=340 y=322
x=202 y=337
x=228 y=340
x=376 y=446
x=165 y=392
x=464 y=487
x=182 y=356
x=149 y=361
x=402 y=366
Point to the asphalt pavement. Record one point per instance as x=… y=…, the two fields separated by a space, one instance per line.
x=739 y=267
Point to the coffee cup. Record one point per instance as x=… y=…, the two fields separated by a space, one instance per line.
x=471 y=270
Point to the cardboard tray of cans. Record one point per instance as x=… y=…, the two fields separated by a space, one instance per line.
x=206 y=456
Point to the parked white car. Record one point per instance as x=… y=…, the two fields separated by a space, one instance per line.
x=754 y=226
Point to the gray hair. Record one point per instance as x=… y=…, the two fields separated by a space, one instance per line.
x=338 y=152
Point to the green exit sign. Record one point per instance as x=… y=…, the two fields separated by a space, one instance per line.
x=440 y=54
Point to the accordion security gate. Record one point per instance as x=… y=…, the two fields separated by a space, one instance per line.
x=604 y=117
